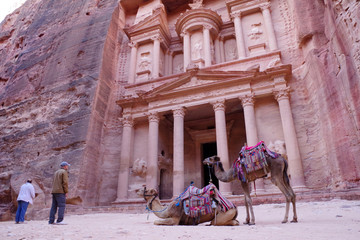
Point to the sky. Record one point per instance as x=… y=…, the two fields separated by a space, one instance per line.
x=8 y=6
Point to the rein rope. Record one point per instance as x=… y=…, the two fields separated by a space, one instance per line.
x=149 y=206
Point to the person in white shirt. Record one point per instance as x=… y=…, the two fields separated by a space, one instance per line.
x=26 y=196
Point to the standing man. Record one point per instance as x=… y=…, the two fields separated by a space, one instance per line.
x=26 y=196
x=59 y=192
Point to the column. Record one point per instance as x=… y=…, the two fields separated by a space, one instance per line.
x=251 y=130
x=222 y=50
x=217 y=51
x=296 y=171
x=133 y=60
x=125 y=156
x=207 y=45
x=265 y=8
x=170 y=63
x=153 y=143
x=240 y=43
x=166 y=63
x=156 y=57
x=186 y=49
x=178 y=168
x=221 y=142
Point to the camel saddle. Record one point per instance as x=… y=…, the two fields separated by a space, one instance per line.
x=251 y=163
x=198 y=202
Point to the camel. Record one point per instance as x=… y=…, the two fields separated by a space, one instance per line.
x=174 y=214
x=278 y=169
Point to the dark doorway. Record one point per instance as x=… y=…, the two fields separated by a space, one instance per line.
x=208 y=150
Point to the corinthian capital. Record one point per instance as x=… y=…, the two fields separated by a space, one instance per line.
x=281 y=94
x=219 y=105
x=207 y=26
x=153 y=117
x=184 y=33
x=247 y=100
x=179 y=112
x=156 y=38
x=127 y=121
x=264 y=6
x=235 y=14
x=133 y=44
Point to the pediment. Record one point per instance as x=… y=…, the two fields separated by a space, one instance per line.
x=155 y=21
x=199 y=79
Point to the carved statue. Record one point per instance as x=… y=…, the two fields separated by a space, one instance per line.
x=145 y=62
x=255 y=31
x=279 y=147
x=197 y=50
x=139 y=167
x=196 y=4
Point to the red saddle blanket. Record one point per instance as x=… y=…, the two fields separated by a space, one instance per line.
x=198 y=202
x=252 y=159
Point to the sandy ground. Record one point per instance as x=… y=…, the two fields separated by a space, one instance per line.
x=336 y=219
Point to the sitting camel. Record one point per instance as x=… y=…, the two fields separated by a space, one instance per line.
x=278 y=169
x=174 y=213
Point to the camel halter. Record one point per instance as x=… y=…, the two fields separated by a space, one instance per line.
x=150 y=195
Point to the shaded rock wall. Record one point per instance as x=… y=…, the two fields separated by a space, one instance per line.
x=52 y=95
x=327 y=101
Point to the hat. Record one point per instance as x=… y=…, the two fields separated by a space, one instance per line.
x=63 y=164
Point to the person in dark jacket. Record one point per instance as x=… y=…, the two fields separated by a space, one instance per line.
x=59 y=192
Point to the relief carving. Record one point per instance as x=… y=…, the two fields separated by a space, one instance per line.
x=139 y=167
x=196 y=54
x=145 y=62
x=230 y=50
x=179 y=68
x=279 y=147
x=255 y=32
x=196 y=4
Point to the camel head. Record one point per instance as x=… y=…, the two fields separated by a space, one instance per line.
x=147 y=193
x=211 y=160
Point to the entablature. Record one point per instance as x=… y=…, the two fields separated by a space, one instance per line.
x=198 y=86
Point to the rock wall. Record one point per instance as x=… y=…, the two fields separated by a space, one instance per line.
x=54 y=92
x=326 y=103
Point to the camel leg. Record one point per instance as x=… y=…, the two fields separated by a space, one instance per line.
x=226 y=218
x=167 y=221
x=293 y=201
x=248 y=205
x=289 y=195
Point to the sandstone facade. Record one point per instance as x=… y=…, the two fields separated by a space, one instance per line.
x=87 y=81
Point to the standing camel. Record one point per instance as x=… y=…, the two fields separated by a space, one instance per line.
x=277 y=167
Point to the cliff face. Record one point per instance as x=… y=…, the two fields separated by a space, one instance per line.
x=327 y=102
x=50 y=70
x=59 y=80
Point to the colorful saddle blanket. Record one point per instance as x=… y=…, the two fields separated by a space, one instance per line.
x=252 y=159
x=198 y=202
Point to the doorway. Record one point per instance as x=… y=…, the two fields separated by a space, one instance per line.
x=208 y=150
